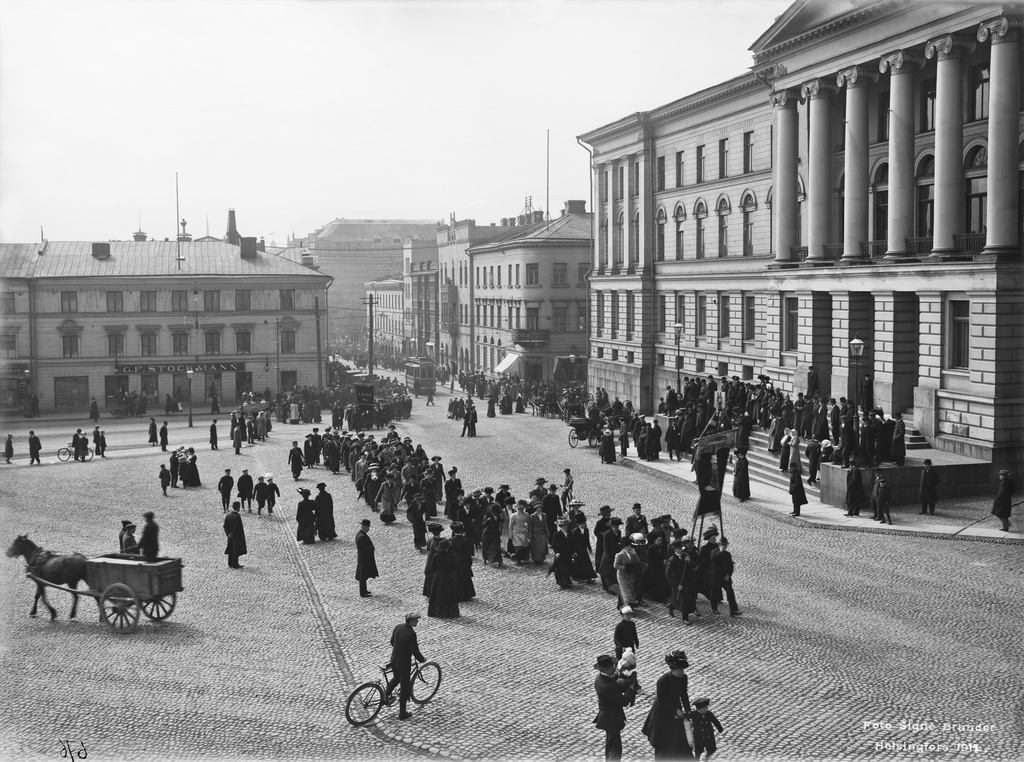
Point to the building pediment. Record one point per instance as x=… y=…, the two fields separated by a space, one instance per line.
x=806 y=19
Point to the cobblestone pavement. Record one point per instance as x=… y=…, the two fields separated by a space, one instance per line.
x=839 y=628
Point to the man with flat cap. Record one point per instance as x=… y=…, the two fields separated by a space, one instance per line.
x=611 y=698
x=366 y=564
x=404 y=648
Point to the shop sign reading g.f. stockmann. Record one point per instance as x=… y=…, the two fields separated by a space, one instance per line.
x=205 y=367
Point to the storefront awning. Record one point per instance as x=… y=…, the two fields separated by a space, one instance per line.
x=508 y=362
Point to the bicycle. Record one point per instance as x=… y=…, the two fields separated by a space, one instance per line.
x=66 y=453
x=366 y=701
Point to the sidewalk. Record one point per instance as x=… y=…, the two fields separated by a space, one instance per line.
x=962 y=518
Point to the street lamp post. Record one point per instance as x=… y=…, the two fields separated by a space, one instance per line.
x=856 y=350
x=190 y=373
x=678 y=328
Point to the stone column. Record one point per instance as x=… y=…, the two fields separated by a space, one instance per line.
x=1004 y=109
x=785 y=181
x=613 y=168
x=644 y=256
x=901 y=149
x=949 y=141
x=819 y=171
x=599 y=211
x=855 y=202
x=629 y=252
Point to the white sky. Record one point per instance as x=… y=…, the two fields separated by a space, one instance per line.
x=295 y=113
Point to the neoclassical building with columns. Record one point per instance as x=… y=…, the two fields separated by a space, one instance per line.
x=863 y=180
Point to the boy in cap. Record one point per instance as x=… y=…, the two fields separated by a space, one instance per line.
x=625 y=633
x=704 y=724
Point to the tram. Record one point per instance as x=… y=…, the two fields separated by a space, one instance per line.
x=419 y=374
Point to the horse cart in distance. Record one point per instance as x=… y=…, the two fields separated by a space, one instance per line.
x=124 y=585
x=583 y=428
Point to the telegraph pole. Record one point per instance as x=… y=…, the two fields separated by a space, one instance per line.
x=369 y=338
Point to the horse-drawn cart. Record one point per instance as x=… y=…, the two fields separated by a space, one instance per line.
x=583 y=428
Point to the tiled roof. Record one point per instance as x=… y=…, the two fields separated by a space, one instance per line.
x=74 y=259
x=367 y=230
x=568 y=227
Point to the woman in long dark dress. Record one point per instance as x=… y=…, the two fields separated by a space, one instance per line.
x=664 y=725
x=462 y=552
x=784 y=451
x=741 y=476
x=562 y=565
x=414 y=513
x=607 y=446
x=433 y=539
x=444 y=601
x=324 y=503
x=490 y=537
x=305 y=517
x=655 y=585
x=579 y=535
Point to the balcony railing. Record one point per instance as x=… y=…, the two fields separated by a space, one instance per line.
x=833 y=251
x=798 y=253
x=918 y=246
x=873 y=249
x=968 y=243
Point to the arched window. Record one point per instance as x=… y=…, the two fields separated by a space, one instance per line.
x=723 y=209
x=925 y=192
x=748 y=205
x=880 y=185
x=976 y=168
x=659 y=236
x=700 y=212
x=618 y=242
x=680 y=217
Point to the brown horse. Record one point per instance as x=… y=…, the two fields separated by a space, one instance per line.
x=58 y=570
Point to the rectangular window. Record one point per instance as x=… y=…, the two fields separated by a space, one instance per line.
x=791 y=324
x=630 y=314
x=700 y=238
x=561 y=274
x=179 y=301
x=8 y=345
x=700 y=164
x=679 y=240
x=681 y=309
x=211 y=301
x=977 y=204
x=748 y=152
x=679 y=169
x=68 y=302
x=115 y=301
x=723 y=158
x=213 y=343
x=532 y=318
x=749 y=315
x=69 y=345
x=661 y=173
x=620 y=182
x=517 y=274
x=8 y=302
x=723 y=235
x=723 y=317
x=928 y=95
x=533 y=274
x=979 y=92
x=659 y=243
x=615 y=314
x=499 y=276
x=179 y=343
x=243 y=301
x=510 y=275
x=243 y=342
x=289 y=379
x=147 y=301
x=476 y=276
x=115 y=345
x=287 y=342
x=147 y=344
x=287 y=298
x=662 y=313
x=490 y=277
x=635 y=190
x=599 y=296
x=702 y=315
x=959 y=333
x=581 y=273
x=560 y=319
x=748 y=233
x=883 y=116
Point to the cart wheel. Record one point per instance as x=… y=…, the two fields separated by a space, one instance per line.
x=119 y=608
x=593 y=439
x=119 y=412
x=574 y=438
x=160 y=607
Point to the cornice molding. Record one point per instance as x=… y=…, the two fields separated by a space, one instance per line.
x=833 y=25
x=740 y=87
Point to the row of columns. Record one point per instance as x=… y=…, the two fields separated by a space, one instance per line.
x=1004 y=107
x=634 y=247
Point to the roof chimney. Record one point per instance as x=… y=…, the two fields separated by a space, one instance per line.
x=248 y=245
x=101 y=250
x=232 y=236
x=538 y=216
x=262 y=245
x=575 y=207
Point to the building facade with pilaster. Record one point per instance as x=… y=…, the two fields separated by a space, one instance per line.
x=876 y=195
x=388 y=316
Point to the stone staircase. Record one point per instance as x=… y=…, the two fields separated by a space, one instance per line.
x=915 y=439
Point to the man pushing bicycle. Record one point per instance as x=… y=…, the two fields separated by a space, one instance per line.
x=404 y=647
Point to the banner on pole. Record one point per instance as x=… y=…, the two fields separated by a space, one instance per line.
x=364 y=395
x=714 y=442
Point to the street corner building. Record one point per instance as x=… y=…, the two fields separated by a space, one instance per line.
x=862 y=181
x=84 y=320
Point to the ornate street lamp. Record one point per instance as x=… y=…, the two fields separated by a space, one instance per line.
x=190 y=373
x=678 y=328
x=856 y=350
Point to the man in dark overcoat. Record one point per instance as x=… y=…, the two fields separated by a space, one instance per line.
x=1001 y=505
x=929 y=488
x=173 y=462
x=236 y=536
x=324 y=502
x=245 y=489
x=149 y=542
x=163 y=437
x=225 y=486
x=404 y=648
x=213 y=435
x=35 y=446
x=295 y=460
x=366 y=563
x=611 y=698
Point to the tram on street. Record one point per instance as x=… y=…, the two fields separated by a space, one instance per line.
x=419 y=374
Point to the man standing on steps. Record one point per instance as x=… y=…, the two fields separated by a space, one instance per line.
x=224 y=486
x=404 y=648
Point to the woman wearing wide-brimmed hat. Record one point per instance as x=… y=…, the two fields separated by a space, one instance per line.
x=664 y=726
x=305 y=517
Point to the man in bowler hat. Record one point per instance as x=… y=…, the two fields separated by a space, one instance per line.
x=366 y=564
x=611 y=698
